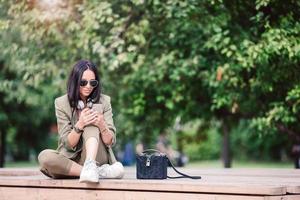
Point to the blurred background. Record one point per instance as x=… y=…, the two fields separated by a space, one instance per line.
x=213 y=83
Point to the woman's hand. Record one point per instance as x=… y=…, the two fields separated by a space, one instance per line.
x=87 y=117
x=106 y=134
x=100 y=123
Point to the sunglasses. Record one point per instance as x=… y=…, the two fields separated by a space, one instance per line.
x=93 y=83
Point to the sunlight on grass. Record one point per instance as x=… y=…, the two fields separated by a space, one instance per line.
x=240 y=164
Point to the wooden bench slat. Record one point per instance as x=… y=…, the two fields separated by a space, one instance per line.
x=74 y=194
x=152 y=185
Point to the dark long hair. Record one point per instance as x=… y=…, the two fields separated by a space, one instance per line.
x=73 y=85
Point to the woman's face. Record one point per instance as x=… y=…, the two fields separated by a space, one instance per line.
x=85 y=84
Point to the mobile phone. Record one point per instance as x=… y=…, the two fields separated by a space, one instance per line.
x=98 y=107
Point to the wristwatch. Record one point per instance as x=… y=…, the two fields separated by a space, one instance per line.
x=77 y=130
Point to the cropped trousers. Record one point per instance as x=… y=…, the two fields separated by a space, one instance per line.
x=55 y=165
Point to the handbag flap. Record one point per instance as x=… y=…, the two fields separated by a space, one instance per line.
x=152 y=166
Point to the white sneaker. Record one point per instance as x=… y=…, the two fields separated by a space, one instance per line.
x=89 y=172
x=115 y=170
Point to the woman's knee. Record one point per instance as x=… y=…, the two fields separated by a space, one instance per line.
x=47 y=158
x=91 y=131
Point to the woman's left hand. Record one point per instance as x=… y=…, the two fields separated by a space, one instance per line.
x=106 y=134
x=99 y=120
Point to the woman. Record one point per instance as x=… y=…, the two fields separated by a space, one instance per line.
x=86 y=131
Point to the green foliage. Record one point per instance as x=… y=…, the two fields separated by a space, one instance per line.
x=249 y=144
x=200 y=140
x=211 y=59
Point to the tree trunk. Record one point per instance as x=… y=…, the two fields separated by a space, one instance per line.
x=2 y=148
x=295 y=137
x=226 y=153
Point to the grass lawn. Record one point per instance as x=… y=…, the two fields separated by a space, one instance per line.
x=241 y=164
x=198 y=164
x=21 y=164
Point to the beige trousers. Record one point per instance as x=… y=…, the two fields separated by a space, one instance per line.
x=55 y=165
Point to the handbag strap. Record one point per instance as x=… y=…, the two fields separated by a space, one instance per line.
x=182 y=174
x=151 y=150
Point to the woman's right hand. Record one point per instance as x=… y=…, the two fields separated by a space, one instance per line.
x=87 y=117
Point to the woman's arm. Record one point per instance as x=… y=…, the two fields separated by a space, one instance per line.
x=68 y=134
x=106 y=133
x=105 y=123
x=86 y=117
x=64 y=126
x=73 y=136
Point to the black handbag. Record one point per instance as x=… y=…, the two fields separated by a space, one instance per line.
x=152 y=164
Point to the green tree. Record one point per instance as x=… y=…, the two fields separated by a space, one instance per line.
x=210 y=60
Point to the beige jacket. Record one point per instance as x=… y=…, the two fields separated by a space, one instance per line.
x=66 y=121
